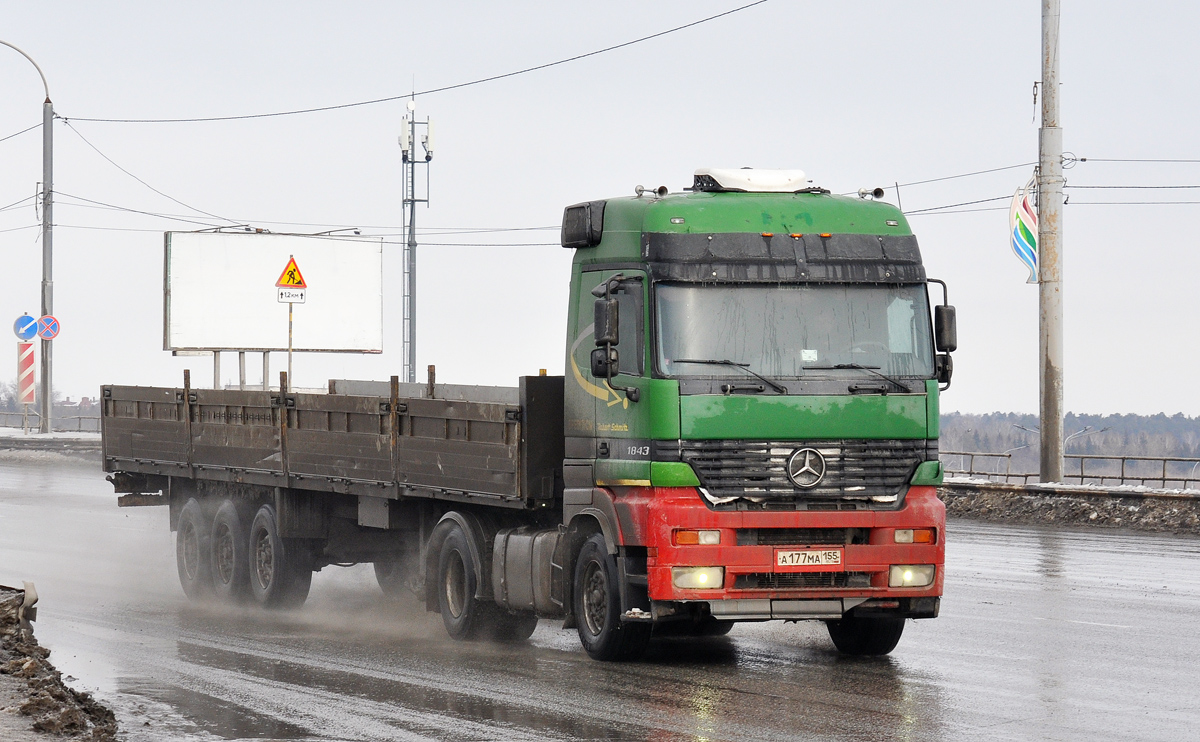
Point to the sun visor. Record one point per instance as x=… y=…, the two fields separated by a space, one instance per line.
x=749 y=180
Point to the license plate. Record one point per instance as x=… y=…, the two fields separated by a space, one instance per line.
x=809 y=560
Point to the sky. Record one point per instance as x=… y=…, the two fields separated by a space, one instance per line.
x=856 y=94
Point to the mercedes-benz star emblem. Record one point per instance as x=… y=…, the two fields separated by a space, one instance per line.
x=806 y=468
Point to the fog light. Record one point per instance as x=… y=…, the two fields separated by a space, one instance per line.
x=911 y=575
x=915 y=535
x=698 y=578
x=691 y=538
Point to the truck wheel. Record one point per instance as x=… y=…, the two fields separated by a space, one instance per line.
x=193 y=552
x=394 y=576
x=861 y=636
x=598 y=607
x=230 y=558
x=280 y=571
x=463 y=615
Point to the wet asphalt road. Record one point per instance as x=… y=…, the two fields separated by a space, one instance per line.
x=1044 y=634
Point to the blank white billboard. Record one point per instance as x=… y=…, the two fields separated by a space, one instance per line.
x=220 y=293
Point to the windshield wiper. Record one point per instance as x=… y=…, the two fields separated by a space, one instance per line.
x=743 y=366
x=860 y=367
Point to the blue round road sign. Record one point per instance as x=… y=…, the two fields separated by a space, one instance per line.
x=47 y=327
x=25 y=327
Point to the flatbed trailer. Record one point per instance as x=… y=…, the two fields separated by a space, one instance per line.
x=746 y=431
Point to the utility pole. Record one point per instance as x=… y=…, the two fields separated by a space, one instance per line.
x=45 y=403
x=408 y=138
x=1050 y=200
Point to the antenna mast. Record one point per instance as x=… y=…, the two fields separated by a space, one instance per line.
x=408 y=139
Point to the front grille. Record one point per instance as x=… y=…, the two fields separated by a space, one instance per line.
x=802 y=536
x=791 y=580
x=757 y=470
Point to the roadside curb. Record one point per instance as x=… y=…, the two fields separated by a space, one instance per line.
x=1137 y=508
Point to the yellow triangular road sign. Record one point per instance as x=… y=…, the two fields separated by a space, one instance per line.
x=291 y=278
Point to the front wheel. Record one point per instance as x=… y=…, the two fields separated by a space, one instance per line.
x=862 y=636
x=462 y=615
x=280 y=570
x=597 y=607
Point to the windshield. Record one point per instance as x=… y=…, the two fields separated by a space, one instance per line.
x=779 y=330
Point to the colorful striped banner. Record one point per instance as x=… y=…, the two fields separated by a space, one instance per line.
x=26 y=383
x=1022 y=228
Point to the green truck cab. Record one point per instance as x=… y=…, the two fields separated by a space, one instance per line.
x=751 y=406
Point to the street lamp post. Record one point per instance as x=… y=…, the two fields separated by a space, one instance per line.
x=46 y=409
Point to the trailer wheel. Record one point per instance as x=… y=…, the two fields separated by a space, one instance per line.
x=598 y=607
x=863 y=636
x=193 y=552
x=280 y=570
x=463 y=615
x=230 y=557
x=395 y=575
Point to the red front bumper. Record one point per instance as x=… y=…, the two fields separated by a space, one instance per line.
x=750 y=571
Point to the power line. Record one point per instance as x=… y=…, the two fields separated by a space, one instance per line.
x=1131 y=203
x=15 y=204
x=17 y=229
x=436 y=231
x=951 y=206
x=960 y=211
x=431 y=91
x=114 y=164
x=385 y=242
x=102 y=205
x=19 y=133
x=967 y=175
x=1101 y=159
x=1132 y=187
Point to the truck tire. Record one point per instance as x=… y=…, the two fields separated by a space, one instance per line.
x=280 y=569
x=230 y=553
x=193 y=552
x=597 y=607
x=464 y=616
x=395 y=576
x=862 y=636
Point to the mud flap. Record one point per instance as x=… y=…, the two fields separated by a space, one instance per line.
x=635 y=590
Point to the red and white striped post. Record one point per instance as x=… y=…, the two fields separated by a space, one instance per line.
x=26 y=382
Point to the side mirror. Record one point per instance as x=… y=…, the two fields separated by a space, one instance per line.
x=604 y=362
x=607 y=321
x=945 y=328
x=943 y=366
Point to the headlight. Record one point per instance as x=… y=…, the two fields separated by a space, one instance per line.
x=911 y=575
x=698 y=578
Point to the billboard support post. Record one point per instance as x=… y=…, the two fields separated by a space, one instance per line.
x=266 y=371
x=289 y=340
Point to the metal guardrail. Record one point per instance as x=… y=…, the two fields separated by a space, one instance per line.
x=1163 y=471
x=18 y=419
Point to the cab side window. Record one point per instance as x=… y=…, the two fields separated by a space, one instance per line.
x=631 y=327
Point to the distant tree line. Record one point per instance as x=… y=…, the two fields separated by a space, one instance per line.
x=1175 y=436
